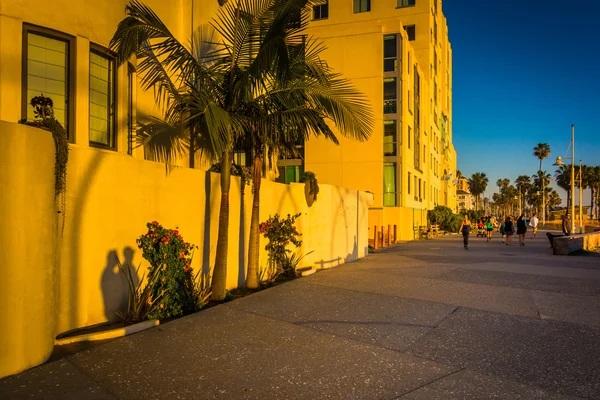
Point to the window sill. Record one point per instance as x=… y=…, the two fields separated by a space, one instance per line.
x=102 y=146
x=320 y=19
x=411 y=5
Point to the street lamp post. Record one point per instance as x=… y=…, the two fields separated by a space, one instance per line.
x=580 y=200
x=560 y=162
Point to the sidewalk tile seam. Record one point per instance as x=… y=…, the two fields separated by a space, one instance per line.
x=318 y=331
x=433 y=329
x=460 y=369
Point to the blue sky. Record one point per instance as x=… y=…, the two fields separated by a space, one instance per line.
x=523 y=72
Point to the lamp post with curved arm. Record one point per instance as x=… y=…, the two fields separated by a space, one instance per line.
x=559 y=162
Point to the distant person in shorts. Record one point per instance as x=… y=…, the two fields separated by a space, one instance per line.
x=489 y=227
x=465 y=229
x=509 y=229
x=533 y=223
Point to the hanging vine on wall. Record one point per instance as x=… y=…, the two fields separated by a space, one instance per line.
x=43 y=110
x=310 y=179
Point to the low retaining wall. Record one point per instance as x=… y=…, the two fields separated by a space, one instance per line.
x=565 y=245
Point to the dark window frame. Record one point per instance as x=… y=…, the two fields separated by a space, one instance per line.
x=320 y=8
x=131 y=71
x=405 y=3
x=104 y=52
x=411 y=32
x=358 y=6
x=70 y=78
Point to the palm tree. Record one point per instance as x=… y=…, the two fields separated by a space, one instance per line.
x=208 y=94
x=554 y=199
x=502 y=183
x=563 y=180
x=594 y=183
x=477 y=185
x=523 y=182
x=541 y=151
x=295 y=106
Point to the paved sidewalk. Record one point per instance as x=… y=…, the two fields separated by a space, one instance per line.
x=421 y=320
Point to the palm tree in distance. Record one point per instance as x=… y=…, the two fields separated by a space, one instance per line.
x=541 y=151
x=562 y=177
x=523 y=182
x=477 y=185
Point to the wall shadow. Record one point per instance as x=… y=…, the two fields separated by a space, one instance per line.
x=353 y=256
x=206 y=241
x=242 y=240
x=114 y=286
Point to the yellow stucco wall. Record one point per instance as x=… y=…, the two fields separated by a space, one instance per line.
x=110 y=198
x=28 y=243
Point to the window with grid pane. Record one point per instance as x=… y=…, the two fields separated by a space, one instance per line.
x=362 y=6
x=102 y=95
x=48 y=74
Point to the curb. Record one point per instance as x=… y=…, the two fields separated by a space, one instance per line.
x=111 y=334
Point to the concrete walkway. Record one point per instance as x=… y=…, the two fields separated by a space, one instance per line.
x=421 y=320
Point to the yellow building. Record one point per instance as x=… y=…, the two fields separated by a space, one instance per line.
x=465 y=200
x=398 y=53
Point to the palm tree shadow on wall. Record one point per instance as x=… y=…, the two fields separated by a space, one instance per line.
x=114 y=285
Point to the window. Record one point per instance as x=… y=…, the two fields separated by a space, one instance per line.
x=290 y=173
x=47 y=70
x=130 y=123
x=362 y=6
x=409 y=134
x=408 y=183
x=405 y=3
x=409 y=64
x=417 y=189
x=102 y=98
x=390 y=96
x=389 y=184
x=420 y=196
x=410 y=31
x=321 y=11
x=390 y=52
x=389 y=138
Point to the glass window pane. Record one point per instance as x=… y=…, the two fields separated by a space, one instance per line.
x=290 y=174
x=389 y=95
x=389 y=46
x=389 y=138
x=101 y=99
x=389 y=184
x=47 y=71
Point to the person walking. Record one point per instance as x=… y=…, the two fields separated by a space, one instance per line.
x=465 y=229
x=509 y=229
x=521 y=229
x=533 y=223
x=502 y=231
x=566 y=225
x=489 y=228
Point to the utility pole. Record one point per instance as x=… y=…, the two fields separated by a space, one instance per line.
x=572 y=179
x=580 y=200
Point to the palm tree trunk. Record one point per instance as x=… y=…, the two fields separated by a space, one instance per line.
x=192 y=150
x=219 y=279
x=252 y=281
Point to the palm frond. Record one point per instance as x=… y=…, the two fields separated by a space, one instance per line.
x=161 y=141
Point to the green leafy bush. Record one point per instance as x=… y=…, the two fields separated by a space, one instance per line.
x=170 y=259
x=445 y=218
x=281 y=232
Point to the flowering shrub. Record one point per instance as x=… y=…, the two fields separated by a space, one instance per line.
x=280 y=232
x=170 y=259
